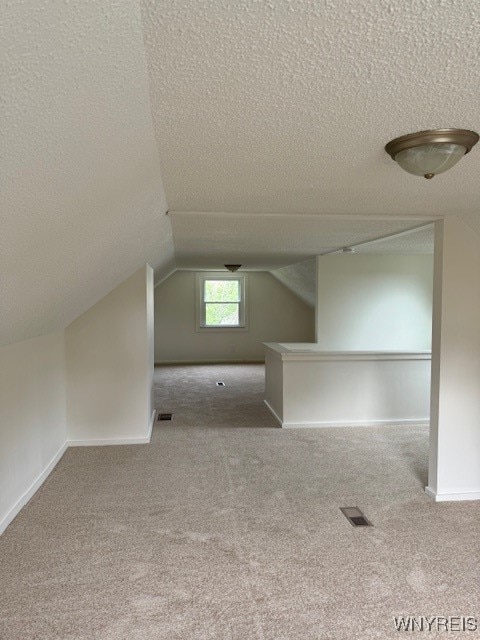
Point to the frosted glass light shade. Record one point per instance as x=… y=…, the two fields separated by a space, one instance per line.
x=430 y=159
x=426 y=153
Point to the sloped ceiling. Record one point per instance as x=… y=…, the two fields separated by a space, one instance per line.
x=83 y=204
x=301 y=279
x=258 y=108
x=413 y=242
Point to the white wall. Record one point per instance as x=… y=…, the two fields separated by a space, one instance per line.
x=374 y=302
x=454 y=470
x=305 y=387
x=150 y=337
x=109 y=362
x=274 y=383
x=274 y=314
x=32 y=417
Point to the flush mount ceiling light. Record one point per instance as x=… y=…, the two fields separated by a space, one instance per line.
x=427 y=153
x=232 y=267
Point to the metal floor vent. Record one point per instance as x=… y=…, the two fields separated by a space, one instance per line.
x=165 y=416
x=220 y=384
x=355 y=517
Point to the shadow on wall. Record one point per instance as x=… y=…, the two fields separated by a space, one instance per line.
x=274 y=314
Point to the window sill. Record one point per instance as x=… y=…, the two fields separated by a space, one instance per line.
x=219 y=329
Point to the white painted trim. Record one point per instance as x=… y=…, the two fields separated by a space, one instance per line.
x=274 y=353
x=372 y=423
x=33 y=488
x=108 y=441
x=152 y=422
x=352 y=357
x=322 y=425
x=103 y=442
x=452 y=497
x=200 y=326
x=274 y=413
x=204 y=361
x=37 y=483
x=295 y=353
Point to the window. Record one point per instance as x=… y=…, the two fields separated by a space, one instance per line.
x=222 y=301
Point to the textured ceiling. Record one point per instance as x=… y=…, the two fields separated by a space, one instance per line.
x=286 y=106
x=209 y=240
x=82 y=198
x=417 y=241
x=258 y=107
x=301 y=278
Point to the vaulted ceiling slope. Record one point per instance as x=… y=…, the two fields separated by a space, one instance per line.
x=258 y=107
x=301 y=279
x=83 y=204
x=286 y=106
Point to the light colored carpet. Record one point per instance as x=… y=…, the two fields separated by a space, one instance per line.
x=227 y=528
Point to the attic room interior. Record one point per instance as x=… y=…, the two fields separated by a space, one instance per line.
x=239 y=331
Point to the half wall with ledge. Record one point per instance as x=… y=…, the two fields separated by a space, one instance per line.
x=305 y=387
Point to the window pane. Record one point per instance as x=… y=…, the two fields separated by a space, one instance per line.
x=221 y=314
x=222 y=291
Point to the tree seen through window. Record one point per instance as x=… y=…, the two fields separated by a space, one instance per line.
x=222 y=299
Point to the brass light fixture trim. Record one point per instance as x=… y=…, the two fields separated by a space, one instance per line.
x=461 y=137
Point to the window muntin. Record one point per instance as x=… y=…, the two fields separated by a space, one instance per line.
x=222 y=301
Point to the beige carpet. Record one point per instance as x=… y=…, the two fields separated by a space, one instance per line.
x=227 y=528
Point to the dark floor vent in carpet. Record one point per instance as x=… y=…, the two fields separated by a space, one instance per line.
x=220 y=384
x=165 y=416
x=355 y=517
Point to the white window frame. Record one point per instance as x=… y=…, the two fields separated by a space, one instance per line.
x=200 y=306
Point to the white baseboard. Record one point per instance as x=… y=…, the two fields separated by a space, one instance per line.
x=274 y=413
x=105 y=442
x=452 y=497
x=166 y=363
x=152 y=422
x=37 y=483
x=372 y=423
x=33 y=488
x=321 y=425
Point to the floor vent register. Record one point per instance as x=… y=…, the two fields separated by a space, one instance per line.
x=355 y=517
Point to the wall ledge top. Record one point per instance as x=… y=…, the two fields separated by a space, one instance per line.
x=307 y=352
